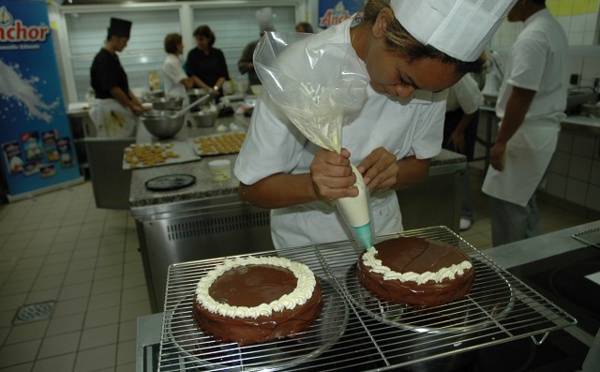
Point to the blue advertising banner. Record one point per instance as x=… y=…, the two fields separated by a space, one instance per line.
x=333 y=12
x=35 y=136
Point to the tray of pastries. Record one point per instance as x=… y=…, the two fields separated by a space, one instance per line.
x=218 y=144
x=148 y=155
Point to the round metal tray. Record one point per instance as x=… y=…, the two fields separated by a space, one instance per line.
x=491 y=299
x=200 y=350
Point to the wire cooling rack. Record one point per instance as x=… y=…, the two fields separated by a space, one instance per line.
x=357 y=332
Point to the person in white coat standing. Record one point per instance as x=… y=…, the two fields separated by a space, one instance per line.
x=530 y=105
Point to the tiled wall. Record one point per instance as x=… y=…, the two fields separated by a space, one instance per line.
x=579 y=18
x=574 y=173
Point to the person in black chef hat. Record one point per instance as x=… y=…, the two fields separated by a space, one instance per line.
x=116 y=108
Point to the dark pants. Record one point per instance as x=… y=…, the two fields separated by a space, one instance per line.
x=450 y=123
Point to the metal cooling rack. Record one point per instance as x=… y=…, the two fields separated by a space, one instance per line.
x=356 y=332
x=589 y=237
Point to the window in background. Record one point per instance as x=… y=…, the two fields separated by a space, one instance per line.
x=144 y=53
x=233 y=33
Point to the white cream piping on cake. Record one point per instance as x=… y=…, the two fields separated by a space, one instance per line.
x=303 y=291
x=388 y=274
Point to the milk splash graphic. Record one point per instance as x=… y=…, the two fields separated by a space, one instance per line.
x=14 y=86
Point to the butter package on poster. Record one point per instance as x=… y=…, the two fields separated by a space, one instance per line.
x=13 y=157
x=49 y=140
x=31 y=146
x=47 y=170
x=65 y=152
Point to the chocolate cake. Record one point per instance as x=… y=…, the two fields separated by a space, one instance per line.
x=415 y=271
x=252 y=300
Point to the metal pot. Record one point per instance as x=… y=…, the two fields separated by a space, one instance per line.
x=162 y=124
x=204 y=118
x=195 y=94
x=171 y=103
x=153 y=95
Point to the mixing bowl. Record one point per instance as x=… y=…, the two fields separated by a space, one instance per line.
x=162 y=124
x=167 y=103
x=194 y=95
x=204 y=118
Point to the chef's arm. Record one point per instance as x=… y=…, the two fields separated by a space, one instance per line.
x=279 y=190
x=514 y=114
x=516 y=108
x=411 y=172
x=135 y=106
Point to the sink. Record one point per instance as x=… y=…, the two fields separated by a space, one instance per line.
x=577 y=98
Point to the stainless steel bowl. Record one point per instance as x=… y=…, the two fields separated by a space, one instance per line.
x=162 y=124
x=194 y=95
x=204 y=118
x=153 y=95
x=171 y=103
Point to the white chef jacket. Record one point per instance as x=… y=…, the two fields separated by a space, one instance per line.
x=538 y=61
x=465 y=94
x=173 y=73
x=274 y=145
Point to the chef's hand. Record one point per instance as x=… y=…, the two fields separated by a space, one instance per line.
x=457 y=141
x=497 y=156
x=379 y=169
x=137 y=109
x=332 y=175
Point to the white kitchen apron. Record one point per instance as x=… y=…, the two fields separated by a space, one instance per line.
x=527 y=156
x=112 y=119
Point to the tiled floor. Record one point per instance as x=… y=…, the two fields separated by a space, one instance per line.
x=60 y=247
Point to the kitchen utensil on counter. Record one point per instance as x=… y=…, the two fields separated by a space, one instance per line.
x=500 y=309
x=204 y=118
x=162 y=124
x=183 y=111
x=170 y=182
x=171 y=103
x=194 y=94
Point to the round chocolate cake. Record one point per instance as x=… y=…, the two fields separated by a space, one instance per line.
x=251 y=300
x=415 y=271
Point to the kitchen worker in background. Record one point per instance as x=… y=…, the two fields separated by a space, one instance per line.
x=207 y=63
x=460 y=134
x=264 y=18
x=531 y=105
x=176 y=80
x=412 y=52
x=115 y=110
x=304 y=27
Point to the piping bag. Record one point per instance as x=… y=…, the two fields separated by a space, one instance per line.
x=319 y=85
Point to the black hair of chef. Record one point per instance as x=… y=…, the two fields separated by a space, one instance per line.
x=205 y=31
x=119 y=27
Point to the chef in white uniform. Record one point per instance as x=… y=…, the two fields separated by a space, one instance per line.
x=392 y=138
x=176 y=80
x=116 y=109
x=531 y=105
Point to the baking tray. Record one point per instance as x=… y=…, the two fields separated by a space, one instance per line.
x=183 y=151
x=589 y=237
x=218 y=143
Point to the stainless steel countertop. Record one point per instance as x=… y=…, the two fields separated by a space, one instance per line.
x=540 y=247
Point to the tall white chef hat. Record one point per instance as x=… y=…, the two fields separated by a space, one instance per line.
x=460 y=28
x=264 y=17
